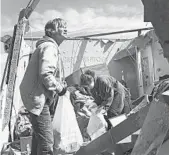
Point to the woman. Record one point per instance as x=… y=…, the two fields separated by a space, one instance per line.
x=107 y=92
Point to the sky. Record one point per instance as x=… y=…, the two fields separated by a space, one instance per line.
x=82 y=16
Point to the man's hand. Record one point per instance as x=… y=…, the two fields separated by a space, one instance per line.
x=64 y=84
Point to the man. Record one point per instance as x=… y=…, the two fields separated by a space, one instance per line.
x=107 y=92
x=41 y=84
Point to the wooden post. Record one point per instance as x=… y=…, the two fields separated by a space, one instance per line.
x=11 y=53
x=20 y=30
x=139 y=72
x=13 y=69
x=3 y=83
x=6 y=73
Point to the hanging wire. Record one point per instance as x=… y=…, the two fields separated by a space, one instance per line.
x=132 y=58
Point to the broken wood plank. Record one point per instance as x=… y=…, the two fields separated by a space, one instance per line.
x=104 y=143
x=13 y=69
x=3 y=83
x=6 y=73
x=132 y=124
x=101 y=144
x=20 y=31
x=11 y=53
x=154 y=130
x=31 y=7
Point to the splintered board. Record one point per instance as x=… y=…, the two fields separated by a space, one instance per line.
x=13 y=70
x=108 y=141
x=20 y=30
x=154 y=130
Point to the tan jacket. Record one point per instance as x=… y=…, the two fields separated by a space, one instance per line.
x=39 y=82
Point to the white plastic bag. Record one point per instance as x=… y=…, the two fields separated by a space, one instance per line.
x=97 y=125
x=67 y=135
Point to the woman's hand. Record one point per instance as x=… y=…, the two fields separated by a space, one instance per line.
x=100 y=109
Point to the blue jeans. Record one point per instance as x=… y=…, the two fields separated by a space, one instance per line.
x=42 y=140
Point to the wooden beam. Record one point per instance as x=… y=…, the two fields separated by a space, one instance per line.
x=20 y=30
x=3 y=83
x=31 y=7
x=108 y=141
x=91 y=39
x=13 y=69
x=11 y=53
x=6 y=73
x=132 y=124
x=104 y=143
x=154 y=130
x=139 y=72
x=117 y=32
x=22 y=14
x=26 y=12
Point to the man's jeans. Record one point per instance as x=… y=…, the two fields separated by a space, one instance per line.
x=42 y=140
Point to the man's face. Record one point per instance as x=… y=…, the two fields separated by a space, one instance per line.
x=62 y=30
x=61 y=33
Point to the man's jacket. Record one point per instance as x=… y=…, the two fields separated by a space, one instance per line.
x=110 y=93
x=41 y=80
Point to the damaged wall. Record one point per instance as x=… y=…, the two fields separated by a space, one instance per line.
x=154 y=65
x=83 y=53
x=160 y=63
x=128 y=66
